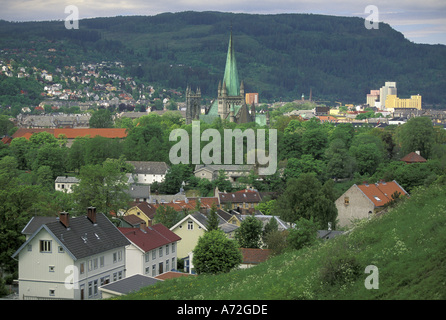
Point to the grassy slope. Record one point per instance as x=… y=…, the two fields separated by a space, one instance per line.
x=408 y=245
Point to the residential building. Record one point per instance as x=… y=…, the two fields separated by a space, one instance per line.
x=413 y=157
x=241 y=201
x=233 y=171
x=153 y=249
x=363 y=201
x=127 y=285
x=65 y=183
x=148 y=172
x=70 y=257
x=191 y=228
x=252 y=257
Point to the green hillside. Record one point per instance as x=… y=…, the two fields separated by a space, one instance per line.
x=407 y=245
x=280 y=56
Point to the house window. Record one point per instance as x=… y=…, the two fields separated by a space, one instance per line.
x=376 y=198
x=167 y=249
x=153 y=254
x=95 y=263
x=105 y=280
x=147 y=256
x=160 y=252
x=153 y=270
x=61 y=250
x=52 y=292
x=95 y=287
x=45 y=245
x=147 y=270
x=173 y=247
x=90 y=265
x=346 y=201
x=82 y=267
x=167 y=265
x=101 y=261
x=30 y=247
x=190 y=225
x=90 y=289
x=51 y=268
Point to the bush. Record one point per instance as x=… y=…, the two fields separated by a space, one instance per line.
x=303 y=234
x=340 y=268
x=215 y=253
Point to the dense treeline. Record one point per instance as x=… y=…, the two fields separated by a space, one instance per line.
x=279 y=56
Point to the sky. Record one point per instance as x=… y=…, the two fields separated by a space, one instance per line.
x=419 y=21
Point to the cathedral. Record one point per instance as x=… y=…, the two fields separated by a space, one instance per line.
x=230 y=103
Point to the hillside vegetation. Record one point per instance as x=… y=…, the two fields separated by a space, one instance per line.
x=407 y=245
x=280 y=56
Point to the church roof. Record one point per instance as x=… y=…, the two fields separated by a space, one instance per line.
x=231 y=73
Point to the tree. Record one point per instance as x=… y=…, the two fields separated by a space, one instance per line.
x=249 y=234
x=101 y=118
x=340 y=164
x=212 y=218
x=417 y=134
x=167 y=216
x=306 y=197
x=103 y=186
x=215 y=253
x=304 y=233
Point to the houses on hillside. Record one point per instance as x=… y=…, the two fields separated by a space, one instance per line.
x=362 y=201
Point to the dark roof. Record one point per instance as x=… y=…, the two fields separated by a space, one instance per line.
x=149 y=167
x=129 y=284
x=328 y=234
x=83 y=238
x=35 y=223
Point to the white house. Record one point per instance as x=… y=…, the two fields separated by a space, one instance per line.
x=147 y=172
x=70 y=258
x=65 y=183
x=153 y=249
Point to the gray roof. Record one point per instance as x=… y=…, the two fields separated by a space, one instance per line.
x=328 y=234
x=222 y=224
x=83 y=238
x=65 y=179
x=129 y=284
x=149 y=167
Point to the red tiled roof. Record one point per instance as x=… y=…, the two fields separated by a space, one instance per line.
x=254 y=256
x=154 y=237
x=72 y=133
x=249 y=196
x=413 y=157
x=381 y=193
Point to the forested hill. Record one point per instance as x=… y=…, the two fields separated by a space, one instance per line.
x=280 y=56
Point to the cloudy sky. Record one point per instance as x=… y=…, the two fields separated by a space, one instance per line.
x=420 y=21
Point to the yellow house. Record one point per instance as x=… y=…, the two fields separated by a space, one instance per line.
x=142 y=210
x=192 y=227
x=392 y=102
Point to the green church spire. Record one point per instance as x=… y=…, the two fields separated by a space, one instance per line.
x=231 y=74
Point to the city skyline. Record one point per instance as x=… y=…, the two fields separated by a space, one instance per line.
x=420 y=22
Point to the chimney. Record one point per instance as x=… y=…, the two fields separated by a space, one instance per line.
x=149 y=222
x=142 y=226
x=91 y=214
x=64 y=218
